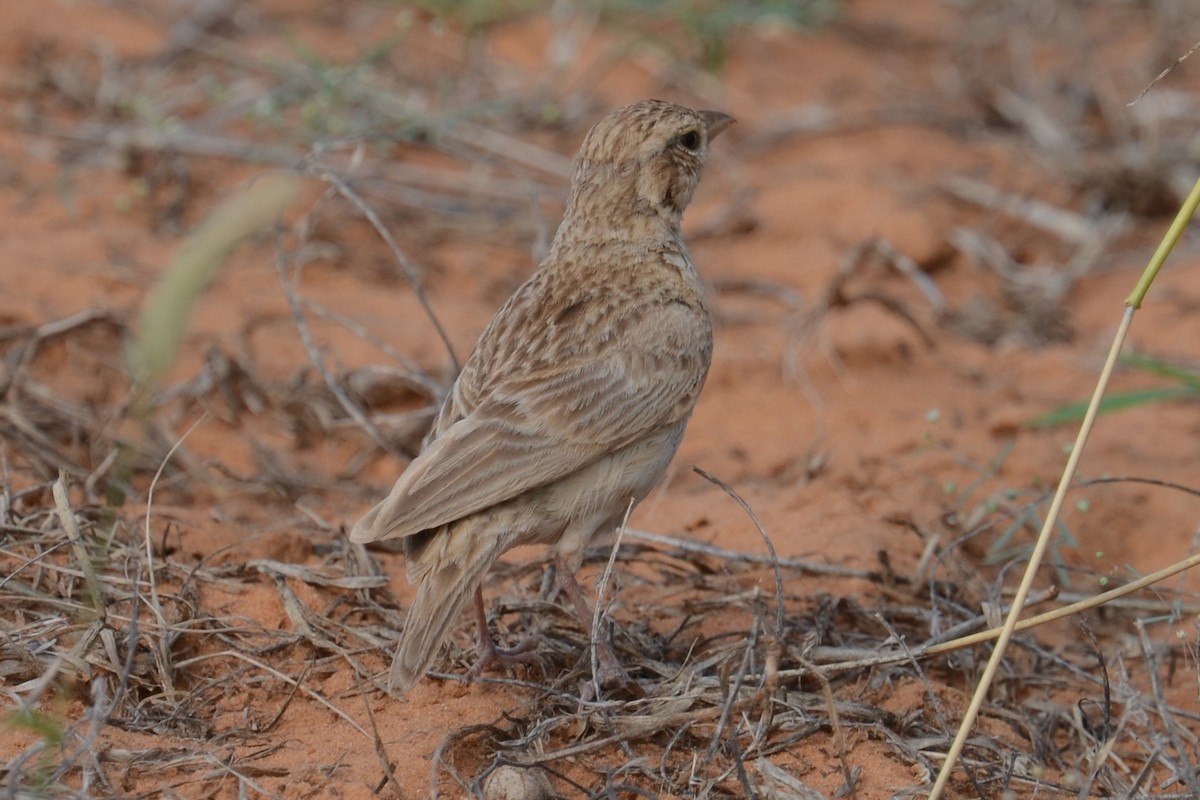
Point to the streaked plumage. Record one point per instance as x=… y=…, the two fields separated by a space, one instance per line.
x=576 y=395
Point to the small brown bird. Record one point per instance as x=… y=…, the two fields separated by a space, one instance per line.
x=576 y=395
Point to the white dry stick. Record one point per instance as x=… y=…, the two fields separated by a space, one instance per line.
x=156 y=607
x=600 y=587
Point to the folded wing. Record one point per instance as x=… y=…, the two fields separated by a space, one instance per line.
x=536 y=427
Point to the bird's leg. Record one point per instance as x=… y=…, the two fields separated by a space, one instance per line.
x=611 y=671
x=489 y=652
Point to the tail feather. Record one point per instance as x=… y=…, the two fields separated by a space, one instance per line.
x=444 y=591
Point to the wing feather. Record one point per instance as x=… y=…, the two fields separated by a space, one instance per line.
x=540 y=425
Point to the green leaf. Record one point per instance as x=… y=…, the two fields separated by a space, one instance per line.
x=1156 y=367
x=50 y=730
x=1116 y=402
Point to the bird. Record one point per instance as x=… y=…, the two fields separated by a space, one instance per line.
x=575 y=397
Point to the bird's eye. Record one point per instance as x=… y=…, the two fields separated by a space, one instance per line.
x=690 y=140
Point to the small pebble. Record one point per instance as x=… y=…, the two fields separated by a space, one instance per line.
x=514 y=783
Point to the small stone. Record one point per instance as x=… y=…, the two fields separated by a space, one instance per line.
x=513 y=783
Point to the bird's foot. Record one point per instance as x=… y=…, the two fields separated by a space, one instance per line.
x=490 y=655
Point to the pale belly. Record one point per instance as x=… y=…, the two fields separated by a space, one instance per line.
x=593 y=501
x=570 y=515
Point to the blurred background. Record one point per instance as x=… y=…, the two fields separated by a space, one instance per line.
x=246 y=245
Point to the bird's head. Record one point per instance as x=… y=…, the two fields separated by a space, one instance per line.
x=645 y=158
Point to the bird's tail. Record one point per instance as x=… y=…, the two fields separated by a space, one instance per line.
x=445 y=588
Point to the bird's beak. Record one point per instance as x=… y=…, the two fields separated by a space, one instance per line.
x=715 y=122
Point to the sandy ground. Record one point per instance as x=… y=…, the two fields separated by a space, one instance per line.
x=867 y=428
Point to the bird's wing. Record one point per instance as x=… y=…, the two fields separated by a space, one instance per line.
x=538 y=426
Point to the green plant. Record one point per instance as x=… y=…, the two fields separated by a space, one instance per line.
x=478 y=15
x=709 y=24
x=1187 y=387
x=705 y=25
x=41 y=778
